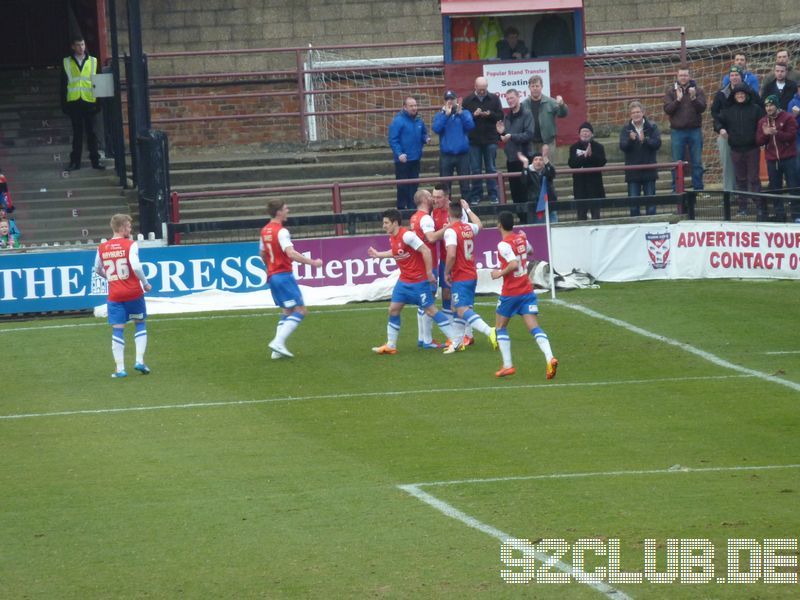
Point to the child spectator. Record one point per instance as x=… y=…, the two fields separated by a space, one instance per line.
x=8 y=239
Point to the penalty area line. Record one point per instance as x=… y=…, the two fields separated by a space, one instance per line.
x=671 y=470
x=451 y=511
x=349 y=396
x=708 y=356
x=415 y=490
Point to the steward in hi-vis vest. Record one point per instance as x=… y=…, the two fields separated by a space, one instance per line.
x=78 y=102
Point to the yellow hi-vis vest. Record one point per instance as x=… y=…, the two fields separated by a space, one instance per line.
x=79 y=81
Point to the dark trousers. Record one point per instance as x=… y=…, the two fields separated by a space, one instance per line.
x=583 y=212
x=519 y=191
x=778 y=170
x=82 y=117
x=406 y=191
x=745 y=167
x=516 y=184
x=460 y=164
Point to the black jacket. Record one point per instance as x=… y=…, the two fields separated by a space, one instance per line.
x=640 y=152
x=520 y=126
x=533 y=183
x=789 y=90
x=588 y=185
x=741 y=121
x=485 y=131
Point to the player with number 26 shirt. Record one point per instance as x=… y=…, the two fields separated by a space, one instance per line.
x=117 y=261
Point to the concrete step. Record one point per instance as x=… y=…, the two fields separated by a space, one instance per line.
x=188 y=162
x=36 y=151
x=91 y=197
x=322 y=171
x=36 y=141
x=66 y=211
x=33 y=181
x=35 y=165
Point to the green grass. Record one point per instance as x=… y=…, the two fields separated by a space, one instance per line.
x=283 y=483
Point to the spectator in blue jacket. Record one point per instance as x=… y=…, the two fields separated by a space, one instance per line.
x=794 y=110
x=748 y=77
x=407 y=136
x=452 y=124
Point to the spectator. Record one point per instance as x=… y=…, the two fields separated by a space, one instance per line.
x=640 y=140
x=684 y=103
x=782 y=58
x=516 y=131
x=510 y=47
x=794 y=110
x=79 y=104
x=8 y=238
x=540 y=173
x=785 y=89
x=7 y=206
x=452 y=123
x=739 y=122
x=721 y=99
x=486 y=112
x=777 y=132
x=750 y=78
x=544 y=111
x=586 y=153
x=490 y=33
x=407 y=136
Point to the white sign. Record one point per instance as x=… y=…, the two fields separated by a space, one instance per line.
x=515 y=75
x=685 y=250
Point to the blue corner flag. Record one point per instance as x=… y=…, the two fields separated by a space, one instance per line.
x=541 y=205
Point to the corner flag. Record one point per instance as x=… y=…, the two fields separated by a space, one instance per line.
x=541 y=205
x=543 y=212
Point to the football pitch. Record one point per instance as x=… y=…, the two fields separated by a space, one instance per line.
x=340 y=473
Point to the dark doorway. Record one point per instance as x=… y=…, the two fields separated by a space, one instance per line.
x=37 y=32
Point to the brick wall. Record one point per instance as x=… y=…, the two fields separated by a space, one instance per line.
x=720 y=18
x=180 y=25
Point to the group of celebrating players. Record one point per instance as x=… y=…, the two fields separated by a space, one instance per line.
x=441 y=236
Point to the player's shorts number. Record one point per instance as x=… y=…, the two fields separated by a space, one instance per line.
x=117 y=270
x=423 y=298
x=455 y=298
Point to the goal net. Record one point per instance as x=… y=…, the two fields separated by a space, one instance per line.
x=616 y=75
x=354 y=98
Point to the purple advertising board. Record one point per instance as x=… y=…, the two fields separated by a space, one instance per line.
x=346 y=261
x=64 y=280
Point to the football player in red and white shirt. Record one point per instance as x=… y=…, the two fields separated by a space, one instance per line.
x=117 y=261
x=517 y=296
x=277 y=251
x=421 y=223
x=441 y=219
x=416 y=277
x=461 y=274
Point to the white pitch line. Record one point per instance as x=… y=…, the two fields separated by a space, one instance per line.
x=671 y=470
x=414 y=489
x=126 y=409
x=712 y=358
x=451 y=511
x=783 y=352
x=168 y=318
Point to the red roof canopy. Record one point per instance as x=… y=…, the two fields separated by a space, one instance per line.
x=482 y=7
